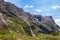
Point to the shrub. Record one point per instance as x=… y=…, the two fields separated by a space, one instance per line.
x=55 y=33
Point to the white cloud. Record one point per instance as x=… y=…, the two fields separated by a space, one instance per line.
x=47 y=14
x=57 y=21
x=28 y=6
x=5 y=0
x=38 y=10
x=55 y=7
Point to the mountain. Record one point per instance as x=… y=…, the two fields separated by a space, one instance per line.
x=14 y=19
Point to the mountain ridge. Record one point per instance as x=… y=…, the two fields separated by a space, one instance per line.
x=30 y=23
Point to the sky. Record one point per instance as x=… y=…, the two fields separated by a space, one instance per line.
x=40 y=7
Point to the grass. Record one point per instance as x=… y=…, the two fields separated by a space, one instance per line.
x=8 y=36
x=5 y=33
x=16 y=36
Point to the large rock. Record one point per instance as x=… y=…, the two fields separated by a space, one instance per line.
x=1 y=1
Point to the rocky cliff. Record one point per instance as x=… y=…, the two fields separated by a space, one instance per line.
x=16 y=19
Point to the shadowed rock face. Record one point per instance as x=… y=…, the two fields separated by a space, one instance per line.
x=1 y=0
x=43 y=24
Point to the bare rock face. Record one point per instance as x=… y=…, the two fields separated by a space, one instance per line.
x=46 y=24
x=37 y=23
x=1 y=0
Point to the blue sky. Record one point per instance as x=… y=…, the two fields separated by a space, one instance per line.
x=41 y=7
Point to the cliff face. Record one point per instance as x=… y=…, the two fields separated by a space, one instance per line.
x=11 y=15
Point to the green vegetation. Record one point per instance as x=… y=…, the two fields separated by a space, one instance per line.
x=16 y=36
x=16 y=31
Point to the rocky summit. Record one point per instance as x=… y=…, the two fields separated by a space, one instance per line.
x=16 y=19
